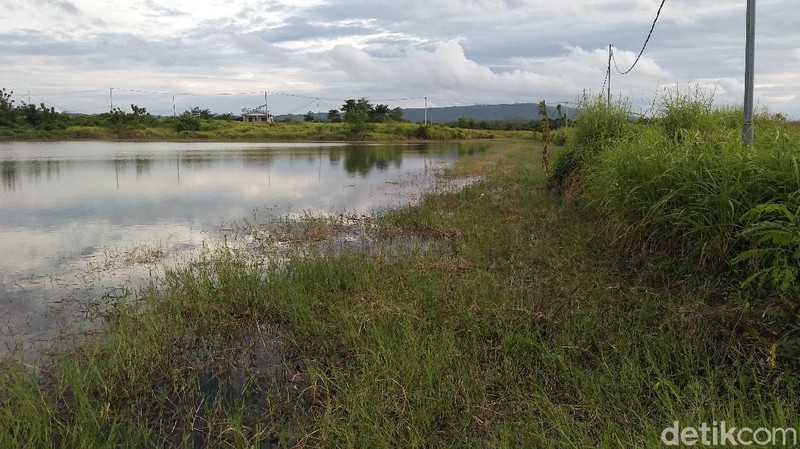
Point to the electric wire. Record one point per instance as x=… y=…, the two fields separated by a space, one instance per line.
x=641 y=52
x=605 y=81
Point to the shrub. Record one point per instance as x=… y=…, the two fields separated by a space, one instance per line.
x=598 y=126
x=187 y=122
x=774 y=229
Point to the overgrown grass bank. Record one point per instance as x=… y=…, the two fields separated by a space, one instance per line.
x=492 y=316
x=226 y=130
x=684 y=184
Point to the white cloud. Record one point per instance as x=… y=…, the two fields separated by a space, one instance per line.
x=467 y=50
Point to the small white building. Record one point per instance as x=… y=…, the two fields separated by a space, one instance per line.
x=257 y=116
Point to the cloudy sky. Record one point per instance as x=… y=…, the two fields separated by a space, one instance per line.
x=68 y=53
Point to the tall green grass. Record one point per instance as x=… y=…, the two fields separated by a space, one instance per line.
x=600 y=126
x=684 y=183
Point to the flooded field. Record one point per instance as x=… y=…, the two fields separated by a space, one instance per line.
x=87 y=222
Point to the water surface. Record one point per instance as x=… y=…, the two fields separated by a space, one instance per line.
x=72 y=212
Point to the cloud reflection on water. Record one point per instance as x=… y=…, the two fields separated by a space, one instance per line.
x=67 y=206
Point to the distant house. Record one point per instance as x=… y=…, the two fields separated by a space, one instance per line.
x=258 y=116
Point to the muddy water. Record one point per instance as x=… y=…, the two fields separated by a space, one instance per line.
x=87 y=221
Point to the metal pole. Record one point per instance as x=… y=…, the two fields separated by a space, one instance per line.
x=426 y=110
x=111 y=96
x=609 y=75
x=749 y=74
x=266 y=107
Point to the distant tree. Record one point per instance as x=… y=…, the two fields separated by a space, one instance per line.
x=364 y=109
x=7 y=110
x=138 y=111
x=364 y=105
x=39 y=116
x=558 y=110
x=201 y=113
x=187 y=121
x=225 y=116
x=310 y=117
x=6 y=103
x=356 y=116
x=379 y=114
x=356 y=113
x=334 y=116
x=349 y=105
x=396 y=114
x=360 y=108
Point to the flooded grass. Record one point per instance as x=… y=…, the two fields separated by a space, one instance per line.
x=515 y=325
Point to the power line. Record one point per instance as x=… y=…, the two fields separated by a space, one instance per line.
x=74 y=92
x=605 y=80
x=650 y=34
x=303 y=106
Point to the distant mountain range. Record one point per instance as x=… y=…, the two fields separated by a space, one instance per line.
x=487 y=112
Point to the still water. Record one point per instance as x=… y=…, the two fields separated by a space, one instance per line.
x=67 y=208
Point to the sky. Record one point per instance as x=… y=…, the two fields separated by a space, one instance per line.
x=309 y=55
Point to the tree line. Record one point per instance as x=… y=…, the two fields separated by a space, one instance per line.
x=359 y=111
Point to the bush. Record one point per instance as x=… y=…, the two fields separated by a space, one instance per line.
x=187 y=122
x=435 y=132
x=562 y=136
x=598 y=127
x=691 y=114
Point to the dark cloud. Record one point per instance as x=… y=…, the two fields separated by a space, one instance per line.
x=298 y=28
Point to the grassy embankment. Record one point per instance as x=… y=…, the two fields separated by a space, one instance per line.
x=517 y=320
x=226 y=130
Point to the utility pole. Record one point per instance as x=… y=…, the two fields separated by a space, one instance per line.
x=749 y=74
x=426 y=111
x=111 y=97
x=174 y=111
x=609 y=74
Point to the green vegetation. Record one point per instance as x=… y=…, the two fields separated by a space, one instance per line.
x=495 y=315
x=187 y=127
x=361 y=121
x=684 y=184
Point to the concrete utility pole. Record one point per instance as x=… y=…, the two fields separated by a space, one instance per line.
x=111 y=97
x=749 y=74
x=609 y=74
x=426 y=111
